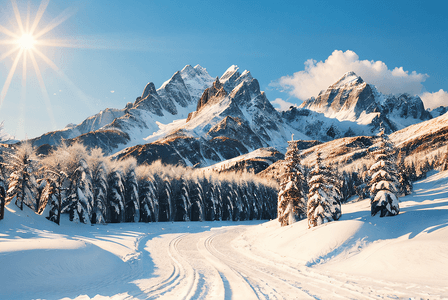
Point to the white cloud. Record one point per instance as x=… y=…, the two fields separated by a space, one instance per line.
x=112 y=92
x=434 y=100
x=284 y=105
x=319 y=75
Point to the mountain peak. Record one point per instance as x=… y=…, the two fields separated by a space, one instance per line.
x=188 y=69
x=149 y=89
x=232 y=71
x=349 y=78
x=200 y=69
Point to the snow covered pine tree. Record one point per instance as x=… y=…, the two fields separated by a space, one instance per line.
x=404 y=179
x=444 y=162
x=384 y=181
x=291 y=206
x=22 y=182
x=324 y=197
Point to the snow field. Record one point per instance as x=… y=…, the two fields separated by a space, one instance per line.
x=357 y=257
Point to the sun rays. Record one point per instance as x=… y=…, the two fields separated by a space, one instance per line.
x=23 y=44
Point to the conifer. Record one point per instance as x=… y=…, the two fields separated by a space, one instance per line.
x=291 y=206
x=384 y=185
x=324 y=198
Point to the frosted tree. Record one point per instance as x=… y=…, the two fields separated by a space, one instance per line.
x=444 y=162
x=80 y=196
x=217 y=196
x=2 y=196
x=181 y=199
x=99 y=166
x=196 y=200
x=211 y=202
x=147 y=195
x=54 y=172
x=405 y=183
x=384 y=185
x=115 y=194
x=131 y=200
x=291 y=203
x=165 y=199
x=22 y=165
x=324 y=195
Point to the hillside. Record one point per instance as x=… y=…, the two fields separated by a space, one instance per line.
x=356 y=257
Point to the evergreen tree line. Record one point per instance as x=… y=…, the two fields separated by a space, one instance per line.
x=317 y=194
x=95 y=189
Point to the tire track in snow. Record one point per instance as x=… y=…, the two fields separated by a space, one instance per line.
x=205 y=265
x=234 y=284
x=183 y=278
x=263 y=285
x=278 y=282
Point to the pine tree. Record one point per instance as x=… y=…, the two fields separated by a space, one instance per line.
x=115 y=194
x=406 y=186
x=411 y=171
x=210 y=203
x=291 y=197
x=147 y=195
x=22 y=163
x=217 y=196
x=324 y=196
x=444 y=162
x=81 y=197
x=181 y=199
x=2 y=196
x=165 y=200
x=384 y=181
x=131 y=201
x=54 y=169
x=99 y=166
x=196 y=200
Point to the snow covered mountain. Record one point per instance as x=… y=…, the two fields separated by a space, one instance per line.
x=418 y=142
x=351 y=107
x=232 y=117
x=195 y=120
x=115 y=129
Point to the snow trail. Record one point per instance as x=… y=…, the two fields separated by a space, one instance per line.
x=357 y=257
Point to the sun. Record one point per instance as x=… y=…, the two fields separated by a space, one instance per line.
x=22 y=44
x=26 y=41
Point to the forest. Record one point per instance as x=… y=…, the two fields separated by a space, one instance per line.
x=94 y=189
x=316 y=192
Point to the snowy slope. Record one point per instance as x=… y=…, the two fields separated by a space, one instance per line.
x=357 y=257
x=418 y=130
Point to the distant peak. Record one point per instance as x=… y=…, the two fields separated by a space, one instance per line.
x=229 y=73
x=348 y=78
x=149 y=89
x=200 y=69
x=187 y=68
x=188 y=72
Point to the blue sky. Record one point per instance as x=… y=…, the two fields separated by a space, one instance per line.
x=122 y=45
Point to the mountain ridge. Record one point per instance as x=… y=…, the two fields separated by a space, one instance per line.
x=215 y=119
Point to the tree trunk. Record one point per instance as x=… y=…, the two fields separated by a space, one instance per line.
x=58 y=218
x=2 y=202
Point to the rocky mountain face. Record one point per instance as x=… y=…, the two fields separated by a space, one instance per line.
x=351 y=107
x=115 y=129
x=232 y=118
x=195 y=120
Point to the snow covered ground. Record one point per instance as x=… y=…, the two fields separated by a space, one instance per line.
x=357 y=257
